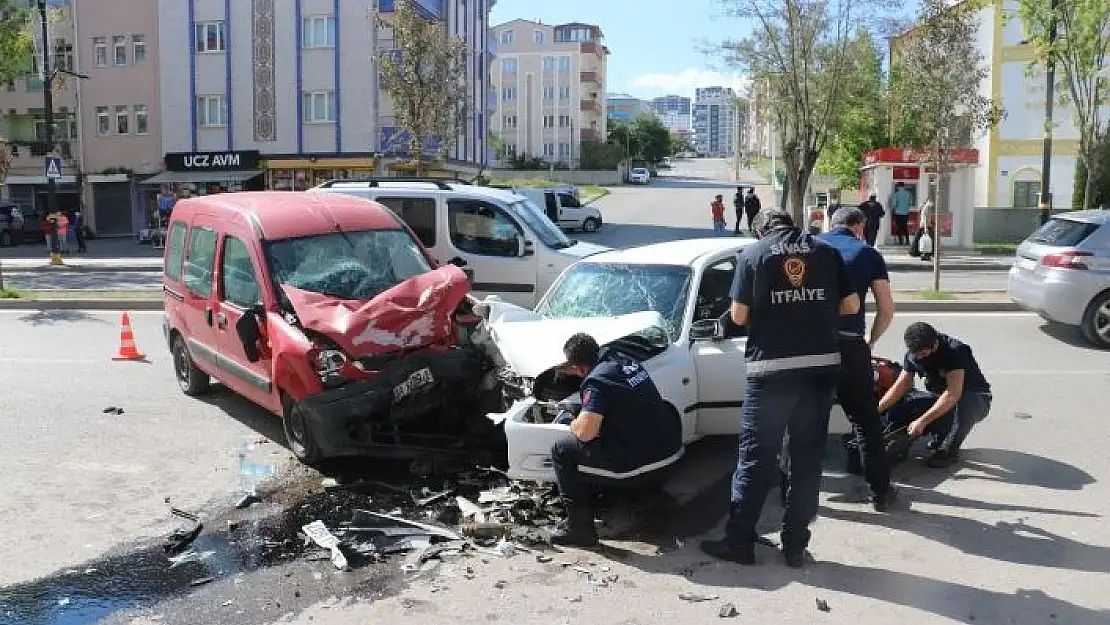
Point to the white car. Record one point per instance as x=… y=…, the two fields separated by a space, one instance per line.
x=660 y=303
x=639 y=175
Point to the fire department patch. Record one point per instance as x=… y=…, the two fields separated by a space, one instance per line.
x=795 y=270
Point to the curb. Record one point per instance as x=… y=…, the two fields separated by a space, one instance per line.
x=157 y=304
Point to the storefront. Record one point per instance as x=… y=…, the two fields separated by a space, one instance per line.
x=299 y=174
x=192 y=174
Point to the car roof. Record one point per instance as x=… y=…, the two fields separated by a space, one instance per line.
x=456 y=189
x=291 y=214
x=1094 y=216
x=679 y=252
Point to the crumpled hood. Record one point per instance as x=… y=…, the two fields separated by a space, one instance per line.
x=581 y=250
x=409 y=315
x=532 y=344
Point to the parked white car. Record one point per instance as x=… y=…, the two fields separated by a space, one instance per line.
x=639 y=175
x=563 y=208
x=660 y=303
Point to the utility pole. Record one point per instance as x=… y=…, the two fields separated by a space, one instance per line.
x=48 y=104
x=1045 y=202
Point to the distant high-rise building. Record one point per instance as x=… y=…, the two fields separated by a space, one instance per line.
x=549 y=82
x=621 y=106
x=715 y=121
x=674 y=111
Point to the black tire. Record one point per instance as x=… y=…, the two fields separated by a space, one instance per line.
x=591 y=224
x=299 y=437
x=193 y=381
x=1096 y=321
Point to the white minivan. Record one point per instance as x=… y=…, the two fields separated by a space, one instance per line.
x=563 y=208
x=503 y=241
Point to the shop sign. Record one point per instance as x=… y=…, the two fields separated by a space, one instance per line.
x=212 y=161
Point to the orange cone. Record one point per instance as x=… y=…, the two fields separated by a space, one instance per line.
x=127 y=348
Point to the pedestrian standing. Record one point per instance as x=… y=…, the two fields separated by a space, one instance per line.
x=789 y=289
x=856 y=390
x=79 y=232
x=834 y=204
x=874 y=212
x=926 y=245
x=717 y=208
x=63 y=232
x=752 y=207
x=738 y=207
x=900 y=203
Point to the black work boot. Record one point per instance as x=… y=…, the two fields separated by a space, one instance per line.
x=943 y=458
x=577 y=530
x=726 y=550
x=882 y=503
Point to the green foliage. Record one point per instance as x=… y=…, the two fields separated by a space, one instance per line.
x=1100 y=181
x=496 y=143
x=525 y=162
x=680 y=144
x=1074 y=37
x=644 y=138
x=425 y=75
x=601 y=155
x=16 y=42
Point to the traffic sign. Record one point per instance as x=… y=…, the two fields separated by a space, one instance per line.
x=53 y=165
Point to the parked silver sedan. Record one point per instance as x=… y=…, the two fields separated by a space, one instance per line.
x=1062 y=272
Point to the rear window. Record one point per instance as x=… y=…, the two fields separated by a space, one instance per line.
x=1059 y=232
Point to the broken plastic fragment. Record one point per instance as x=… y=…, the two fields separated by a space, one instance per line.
x=823 y=605
x=694 y=597
x=728 y=610
x=322 y=537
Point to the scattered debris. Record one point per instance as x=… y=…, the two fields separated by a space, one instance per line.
x=449 y=515
x=113 y=410
x=192 y=555
x=612 y=579
x=469 y=509
x=322 y=537
x=182 y=537
x=232 y=525
x=434 y=530
x=728 y=610
x=823 y=605
x=1022 y=415
x=429 y=497
x=694 y=597
x=202 y=581
x=329 y=482
x=543 y=558
x=227 y=603
x=577 y=599
x=499 y=584
x=247 y=501
x=484 y=530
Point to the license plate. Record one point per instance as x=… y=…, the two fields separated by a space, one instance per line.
x=1026 y=264
x=419 y=380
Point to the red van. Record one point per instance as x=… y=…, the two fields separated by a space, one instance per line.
x=328 y=312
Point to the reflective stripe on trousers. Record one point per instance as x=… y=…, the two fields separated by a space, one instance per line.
x=763 y=367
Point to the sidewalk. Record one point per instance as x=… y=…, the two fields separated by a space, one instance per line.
x=898 y=259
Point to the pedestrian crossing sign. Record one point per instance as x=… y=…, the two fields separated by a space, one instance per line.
x=53 y=167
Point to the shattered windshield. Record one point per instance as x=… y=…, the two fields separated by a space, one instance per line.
x=538 y=223
x=606 y=289
x=347 y=265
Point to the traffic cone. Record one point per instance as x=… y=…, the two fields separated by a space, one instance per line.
x=127 y=348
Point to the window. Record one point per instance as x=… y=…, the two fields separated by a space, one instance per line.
x=564 y=63
x=211 y=110
x=713 y=292
x=508 y=37
x=508 y=93
x=100 y=51
x=549 y=63
x=210 y=37
x=508 y=66
x=200 y=261
x=238 y=283
x=103 y=121
x=123 y=119
x=480 y=228
x=564 y=92
x=510 y=149
x=564 y=150
x=63 y=55
x=138 y=45
x=1027 y=194
x=176 y=251
x=548 y=121
x=318 y=32
x=119 y=50
x=564 y=121
x=549 y=149
x=538 y=36
x=142 y=119
x=549 y=93
x=418 y=212
x=508 y=121
x=319 y=107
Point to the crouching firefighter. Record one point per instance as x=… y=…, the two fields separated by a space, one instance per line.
x=625 y=435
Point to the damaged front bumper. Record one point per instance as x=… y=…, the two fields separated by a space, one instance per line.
x=425 y=406
x=530 y=432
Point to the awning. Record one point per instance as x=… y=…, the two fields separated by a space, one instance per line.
x=172 y=177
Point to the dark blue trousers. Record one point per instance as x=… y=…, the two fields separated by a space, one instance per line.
x=797 y=404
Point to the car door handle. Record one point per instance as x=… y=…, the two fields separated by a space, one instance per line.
x=208 y=315
x=221 y=320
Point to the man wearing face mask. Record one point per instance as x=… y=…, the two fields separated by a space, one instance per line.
x=625 y=434
x=856 y=389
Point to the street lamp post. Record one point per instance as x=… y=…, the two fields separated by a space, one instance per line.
x=1045 y=203
x=48 y=105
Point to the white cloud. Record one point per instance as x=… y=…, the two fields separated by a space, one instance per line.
x=684 y=82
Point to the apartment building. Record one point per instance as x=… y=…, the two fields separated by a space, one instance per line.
x=624 y=107
x=284 y=94
x=549 y=81
x=715 y=120
x=675 y=113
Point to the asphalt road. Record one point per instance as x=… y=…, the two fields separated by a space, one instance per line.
x=1016 y=535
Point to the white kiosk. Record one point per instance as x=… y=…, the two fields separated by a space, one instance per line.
x=883 y=168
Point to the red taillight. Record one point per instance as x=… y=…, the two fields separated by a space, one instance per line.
x=1066 y=260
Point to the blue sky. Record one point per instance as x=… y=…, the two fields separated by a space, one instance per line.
x=654 y=43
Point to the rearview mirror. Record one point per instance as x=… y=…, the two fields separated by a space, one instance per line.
x=706 y=329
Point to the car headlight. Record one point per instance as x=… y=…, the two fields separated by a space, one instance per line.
x=329 y=365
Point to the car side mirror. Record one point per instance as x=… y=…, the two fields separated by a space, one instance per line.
x=706 y=329
x=249 y=329
x=524 y=247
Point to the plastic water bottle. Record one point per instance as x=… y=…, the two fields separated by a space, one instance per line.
x=251 y=473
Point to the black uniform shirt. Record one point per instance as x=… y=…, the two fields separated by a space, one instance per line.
x=792 y=283
x=638 y=427
x=951 y=355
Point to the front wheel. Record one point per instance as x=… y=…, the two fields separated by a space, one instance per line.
x=299 y=436
x=192 y=380
x=1096 y=321
x=591 y=224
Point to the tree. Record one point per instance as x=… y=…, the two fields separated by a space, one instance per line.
x=861 y=126
x=16 y=47
x=1081 y=53
x=425 y=75
x=1099 y=192
x=940 y=70
x=652 y=138
x=680 y=144
x=800 y=56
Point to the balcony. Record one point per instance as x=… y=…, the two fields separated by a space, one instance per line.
x=589 y=47
x=589 y=134
x=593 y=77
x=592 y=106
